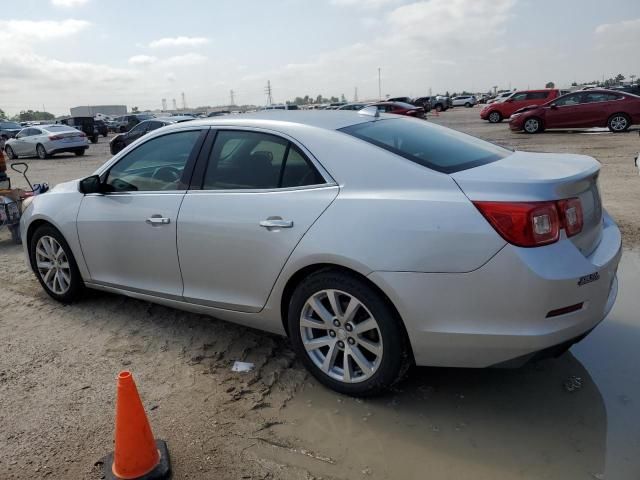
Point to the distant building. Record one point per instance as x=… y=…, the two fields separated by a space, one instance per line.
x=93 y=110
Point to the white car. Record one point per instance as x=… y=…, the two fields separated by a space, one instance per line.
x=46 y=140
x=464 y=101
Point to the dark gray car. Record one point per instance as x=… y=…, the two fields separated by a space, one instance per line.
x=9 y=129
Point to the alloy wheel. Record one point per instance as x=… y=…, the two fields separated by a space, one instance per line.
x=532 y=125
x=619 y=123
x=53 y=265
x=494 y=117
x=341 y=336
x=42 y=153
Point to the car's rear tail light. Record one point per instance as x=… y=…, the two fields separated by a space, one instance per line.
x=571 y=214
x=525 y=224
x=55 y=137
x=532 y=224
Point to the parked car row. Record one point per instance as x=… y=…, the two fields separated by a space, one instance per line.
x=534 y=111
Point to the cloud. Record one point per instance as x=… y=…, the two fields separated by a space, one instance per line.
x=179 y=42
x=33 y=30
x=371 y=4
x=183 y=60
x=617 y=36
x=68 y=3
x=142 y=60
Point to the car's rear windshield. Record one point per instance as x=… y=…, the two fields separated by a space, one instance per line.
x=144 y=117
x=59 y=128
x=429 y=145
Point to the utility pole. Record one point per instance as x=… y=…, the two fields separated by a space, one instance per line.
x=164 y=104
x=233 y=102
x=184 y=102
x=355 y=95
x=175 y=107
x=267 y=90
x=379 y=85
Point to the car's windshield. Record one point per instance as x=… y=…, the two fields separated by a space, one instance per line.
x=9 y=125
x=429 y=145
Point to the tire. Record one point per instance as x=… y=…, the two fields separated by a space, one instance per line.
x=94 y=139
x=618 y=122
x=533 y=125
x=79 y=153
x=367 y=373
x=42 y=153
x=15 y=234
x=495 y=117
x=438 y=107
x=468 y=105
x=69 y=282
x=10 y=153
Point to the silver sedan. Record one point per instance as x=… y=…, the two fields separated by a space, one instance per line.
x=46 y=140
x=374 y=242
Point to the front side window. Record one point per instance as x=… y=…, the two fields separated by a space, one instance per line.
x=568 y=100
x=155 y=165
x=426 y=144
x=242 y=160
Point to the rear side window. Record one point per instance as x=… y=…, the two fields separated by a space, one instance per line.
x=429 y=145
x=537 y=95
x=599 y=97
x=242 y=160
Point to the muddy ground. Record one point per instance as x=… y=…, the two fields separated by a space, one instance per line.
x=574 y=417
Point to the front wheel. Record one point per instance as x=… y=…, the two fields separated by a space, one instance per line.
x=533 y=125
x=79 y=153
x=495 y=117
x=54 y=265
x=618 y=123
x=468 y=105
x=346 y=334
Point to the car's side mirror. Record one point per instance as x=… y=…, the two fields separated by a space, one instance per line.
x=553 y=106
x=91 y=184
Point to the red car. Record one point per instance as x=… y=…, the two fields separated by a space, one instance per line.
x=399 y=108
x=496 y=112
x=587 y=108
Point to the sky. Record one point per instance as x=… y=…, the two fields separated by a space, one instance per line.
x=55 y=54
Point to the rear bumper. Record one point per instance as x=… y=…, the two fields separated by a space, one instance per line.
x=499 y=312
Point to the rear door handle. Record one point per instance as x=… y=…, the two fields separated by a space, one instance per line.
x=276 y=222
x=158 y=220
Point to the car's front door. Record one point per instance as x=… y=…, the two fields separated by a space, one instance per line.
x=260 y=194
x=128 y=234
x=564 y=112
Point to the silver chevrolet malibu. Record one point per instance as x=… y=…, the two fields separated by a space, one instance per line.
x=374 y=242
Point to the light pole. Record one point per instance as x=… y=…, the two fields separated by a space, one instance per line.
x=379 y=85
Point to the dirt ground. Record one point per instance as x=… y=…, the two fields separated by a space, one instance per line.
x=573 y=417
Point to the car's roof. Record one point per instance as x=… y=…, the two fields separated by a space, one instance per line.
x=324 y=119
x=173 y=119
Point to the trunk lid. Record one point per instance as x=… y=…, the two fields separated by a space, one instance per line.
x=532 y=177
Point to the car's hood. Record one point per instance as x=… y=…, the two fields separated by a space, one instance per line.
x=64 y=187
x=525 y=109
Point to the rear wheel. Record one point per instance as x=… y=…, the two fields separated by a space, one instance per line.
x=10 y=153
x=347 y=336
x=495 y=117
x=532 y=125
x=468 y=105
x=79 y=153
x=54 y=264
x=618 y=122
x=438 y=107
x=42 y=153
x=94 y=139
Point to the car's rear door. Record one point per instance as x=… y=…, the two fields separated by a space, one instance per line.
x=254 y=196
x=128 y=235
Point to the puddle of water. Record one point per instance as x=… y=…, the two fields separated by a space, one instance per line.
x=487 y=424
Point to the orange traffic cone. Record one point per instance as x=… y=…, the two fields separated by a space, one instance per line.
x=137 y=455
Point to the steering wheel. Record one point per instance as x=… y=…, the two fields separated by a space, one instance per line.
x=167 y=174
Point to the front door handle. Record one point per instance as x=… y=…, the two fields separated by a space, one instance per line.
x=158 y=220
x=276 y=222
